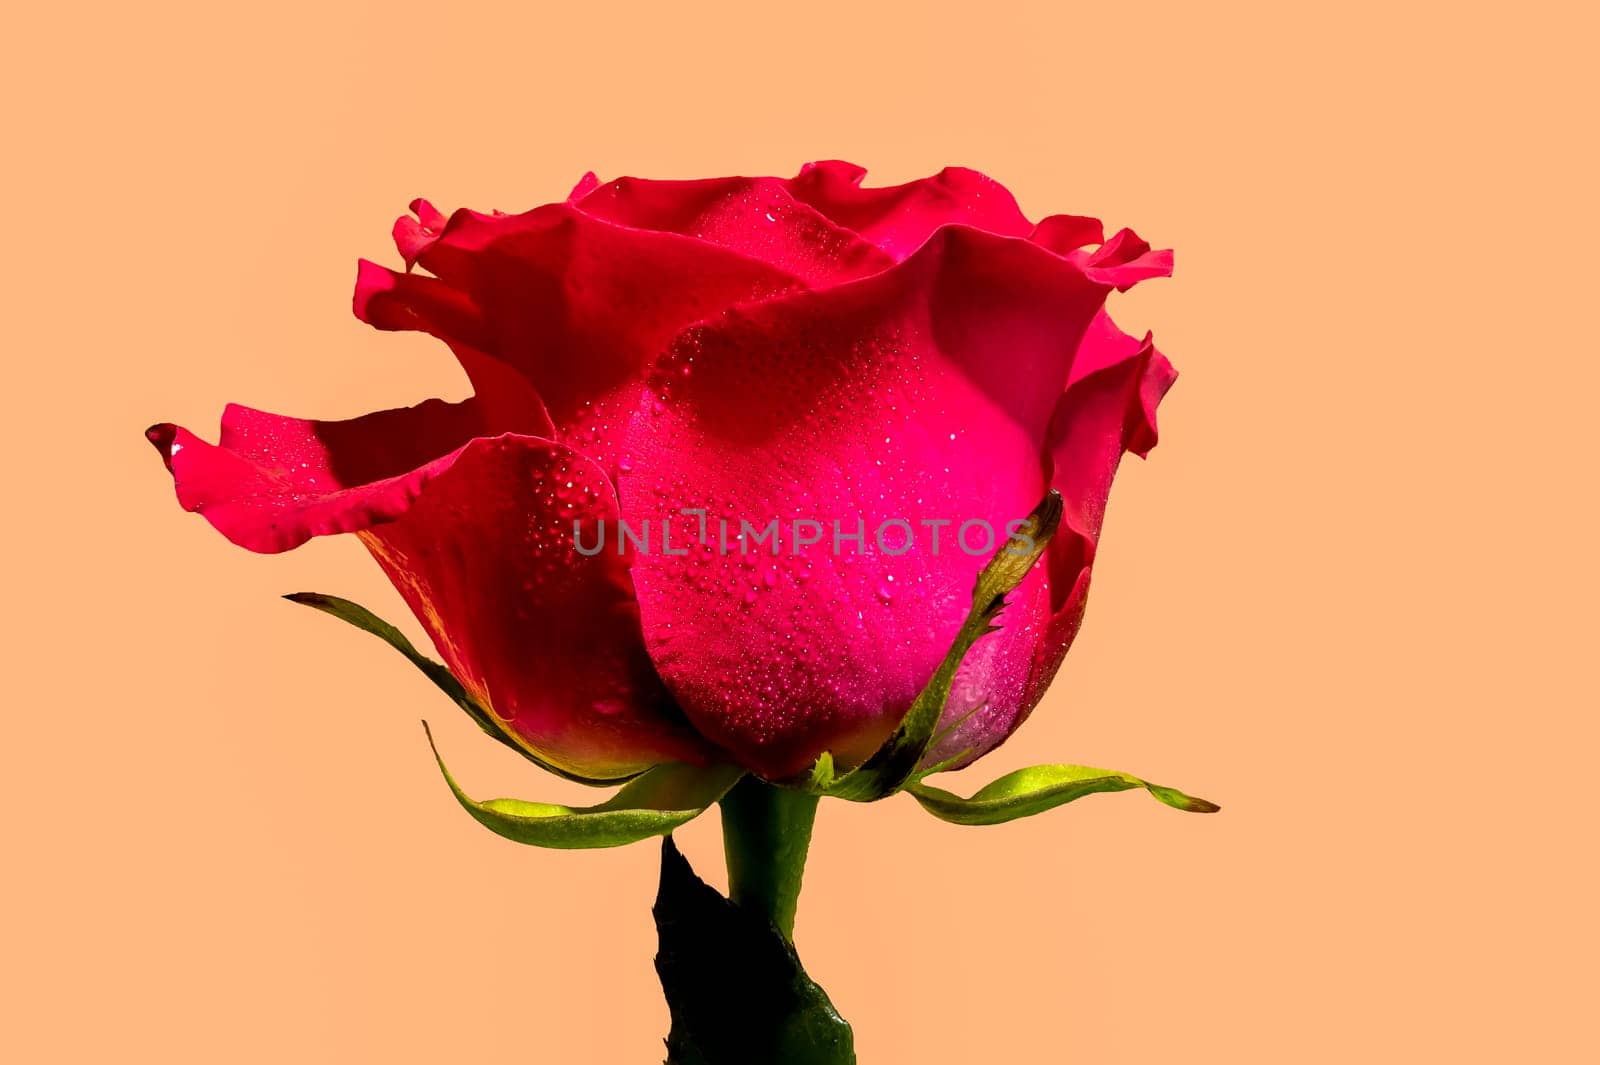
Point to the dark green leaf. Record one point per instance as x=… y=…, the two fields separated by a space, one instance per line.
x=652 y=804
x=896 y=761
x=734 y=984
x=366 y=620
x=1039 y=788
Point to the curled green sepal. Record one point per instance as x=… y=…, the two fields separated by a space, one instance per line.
x=1039 y=788
x=896 y=762
x=367 y=621
x=652 y=804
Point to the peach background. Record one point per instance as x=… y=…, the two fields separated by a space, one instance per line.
x=1351 y=597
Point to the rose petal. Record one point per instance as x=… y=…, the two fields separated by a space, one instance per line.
x=756 y=217
x=586 y=184
x=1108 y=407
x=413 y=234
x=395 y=301
x=1125 y=260
x=386 y=299
x=477 y=534
x=924 y=392
x=900 y=218
x=272 y=483
x=577 y=305
x=544 y=636
x=1066 y=233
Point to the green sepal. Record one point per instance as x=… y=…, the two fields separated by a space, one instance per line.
x=652 y=804
x=735 y=987
x=440 y=674
x=1039 y=788
x=895 y=763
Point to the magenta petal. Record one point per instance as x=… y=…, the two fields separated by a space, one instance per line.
x=586 y=184
x=477 y=534
x=756 y=217
x=394 y=301
x=1109 y=407
x=922 y=393
x=390 y=300
x=900 y=218
x=1125 y=260
x=1065 y=233
x=414 y=232
x=272 y=483
x=544 y=636
x=577 y=305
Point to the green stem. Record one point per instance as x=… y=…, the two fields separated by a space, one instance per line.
x=766 y=832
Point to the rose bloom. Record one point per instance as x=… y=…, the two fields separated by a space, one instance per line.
x=806 y=349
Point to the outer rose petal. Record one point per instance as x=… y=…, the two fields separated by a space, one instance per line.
x=586 y=184
x=390 y=300
x=899 y=218
x=272 y=483
x=1066 y=233
x=577 y=305
x=545 y=637
x=478 y=538
x=413 y=234
x=1109 y=407
x=756 y=217
x=925 y=392
x=1125 y=260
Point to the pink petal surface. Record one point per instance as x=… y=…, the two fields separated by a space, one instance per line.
x=577 y=305
x=925 y=392
x=547 y=638
x=271 y=483
x=476 y=532
x=900 y=218
x=1109 y=406
x=1125 y=260
x=414 y=232
x=756 y=217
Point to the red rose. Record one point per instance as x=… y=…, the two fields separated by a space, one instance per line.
x=906 y=362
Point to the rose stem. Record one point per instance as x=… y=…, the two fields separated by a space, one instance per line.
x=766 y=831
